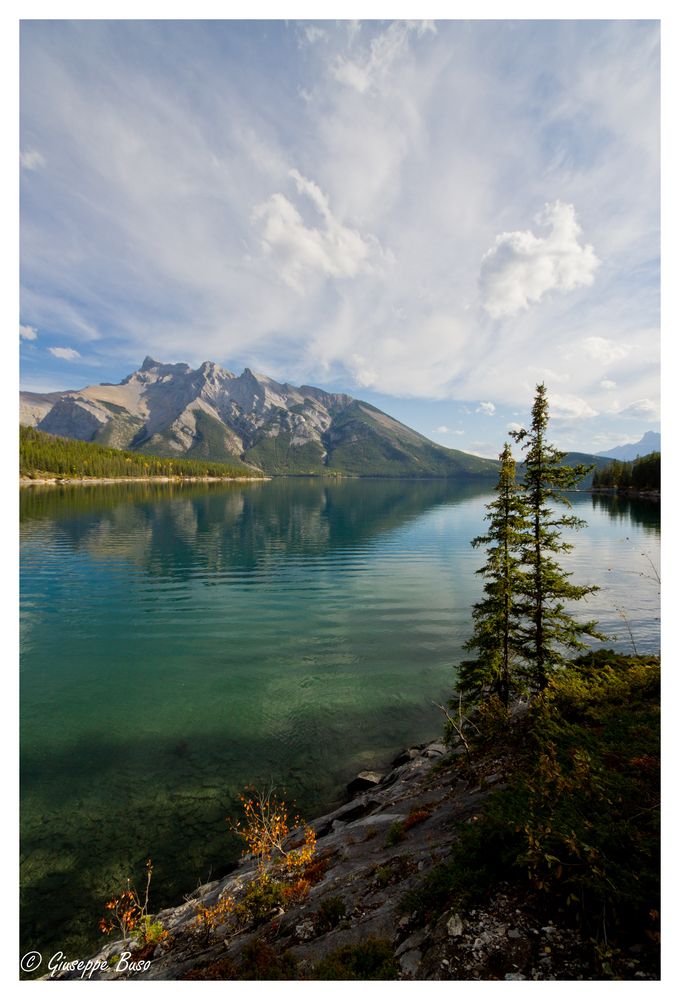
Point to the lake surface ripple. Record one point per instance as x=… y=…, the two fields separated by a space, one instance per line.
x=181 y=642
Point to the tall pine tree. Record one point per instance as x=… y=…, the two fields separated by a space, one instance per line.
x=549 y=629
x=497 y=637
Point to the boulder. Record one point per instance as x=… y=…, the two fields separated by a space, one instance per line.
x=364 y=780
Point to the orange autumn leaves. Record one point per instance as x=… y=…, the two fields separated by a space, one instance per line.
x=265 y=830
x=283 y=863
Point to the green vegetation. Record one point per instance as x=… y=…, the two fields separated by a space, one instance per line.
x=329 y=914
x=280 y=457
x=549 y=628
x=372 y=959
x=642 y=474
x=396 y=833
x=522 y=629
x=576 y=830
x=43 y=454
x=363 y=441
x=497 y=636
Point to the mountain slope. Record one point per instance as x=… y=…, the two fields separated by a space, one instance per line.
x=212 y=414
x=649 y=442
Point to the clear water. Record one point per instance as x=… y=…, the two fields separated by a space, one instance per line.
x=181 y=642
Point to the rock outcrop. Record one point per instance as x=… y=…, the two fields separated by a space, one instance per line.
x=210 y=413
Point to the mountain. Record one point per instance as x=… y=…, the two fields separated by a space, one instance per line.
x=649 y=442
x=210 y=413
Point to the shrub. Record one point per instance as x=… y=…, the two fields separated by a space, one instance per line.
x=262 y=962
x=266 y=828
x=372 y=959
x=129 y=913
x=329 y=914
x=417 y=816
x=396 y=833
x=262 y=895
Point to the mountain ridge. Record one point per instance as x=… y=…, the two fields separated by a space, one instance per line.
x=649 y=442
x=172 y=410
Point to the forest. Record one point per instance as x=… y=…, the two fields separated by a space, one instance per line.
x=41 y=454
x=644 y=473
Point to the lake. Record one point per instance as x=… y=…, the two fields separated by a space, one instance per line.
x=179 y=642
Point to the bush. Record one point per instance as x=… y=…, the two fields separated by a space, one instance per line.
x=396 y=833
x=329 y=914
x=372 y=959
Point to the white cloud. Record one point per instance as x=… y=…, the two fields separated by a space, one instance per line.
x=450 y=141
x=31 y=159
x=514 y=426
x=568 y=407
x=364 y=376
x=604 y=350
x=488 y=408
x=641 y=409
x=521 y=267
x=297 y=249
x=65 y=353
x=443 y=429
x=27 y=332
x=608 y=384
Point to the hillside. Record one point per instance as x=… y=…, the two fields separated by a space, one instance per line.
x=211 y=414
x=42 y=454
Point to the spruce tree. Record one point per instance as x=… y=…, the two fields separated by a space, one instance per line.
x=496 y=635
x=549 y=629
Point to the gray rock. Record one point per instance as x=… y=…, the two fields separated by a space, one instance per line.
x=411 y=943
x=410 y=962
x=364 y=780
x=454 y=926
x=305 y=930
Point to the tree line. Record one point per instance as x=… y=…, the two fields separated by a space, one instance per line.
x=644 y=473
x=44 y=453
x=521 y=628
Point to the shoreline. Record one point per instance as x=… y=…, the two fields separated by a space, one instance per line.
x=102 y=480
x=612 y=491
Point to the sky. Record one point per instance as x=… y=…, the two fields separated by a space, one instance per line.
x=431 y=216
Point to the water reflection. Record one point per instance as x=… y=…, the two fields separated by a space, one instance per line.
x=180 y=641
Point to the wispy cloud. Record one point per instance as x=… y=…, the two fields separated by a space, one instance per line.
x=27 y=332
x=603 y=350
x=322 y=215
x=487 y=408
x=31 y=159
x=65 y=353
x=372 y=68
x=641 y=409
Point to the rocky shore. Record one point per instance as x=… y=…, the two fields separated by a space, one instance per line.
x=371 y=852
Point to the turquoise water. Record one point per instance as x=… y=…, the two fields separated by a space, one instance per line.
x=181 y=642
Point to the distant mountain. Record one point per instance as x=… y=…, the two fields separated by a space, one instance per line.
x=211 y=413
x=649 y=442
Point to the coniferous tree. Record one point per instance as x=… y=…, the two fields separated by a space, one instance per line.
x=549 y=628
x=496 y=635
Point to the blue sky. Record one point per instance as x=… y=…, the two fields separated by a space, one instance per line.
x=432 y=216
